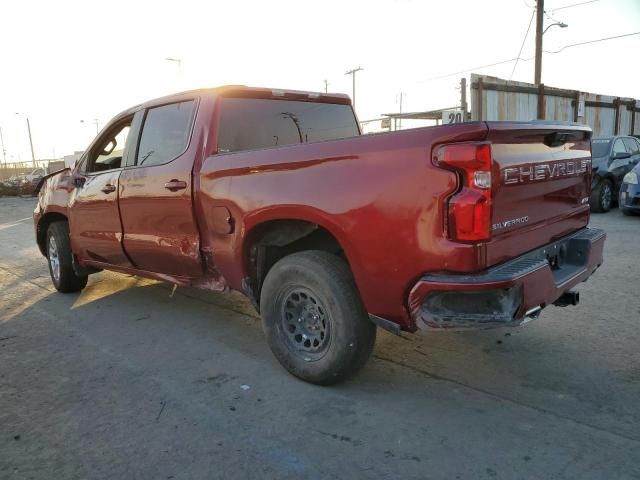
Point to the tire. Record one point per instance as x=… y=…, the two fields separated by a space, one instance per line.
x=602 y=196
x=59 y=258
x=332 y=336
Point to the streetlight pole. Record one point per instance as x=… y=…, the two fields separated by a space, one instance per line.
x=401 y=95
x=33 y=155
x=97 y=124
x=4 y=150
x=353 y=80
x=177 y=61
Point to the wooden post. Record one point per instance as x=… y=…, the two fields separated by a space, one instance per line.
x=463 y=98
x=480 y=112
x=577 y=107
x=616 y=105
x=541 y=102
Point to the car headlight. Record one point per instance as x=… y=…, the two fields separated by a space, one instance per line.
x=631 y=177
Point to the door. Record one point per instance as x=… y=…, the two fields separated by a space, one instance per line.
x=159 y=229
x=94 y=218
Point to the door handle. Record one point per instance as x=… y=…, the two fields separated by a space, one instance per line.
x=175 y=185
x=108 y=188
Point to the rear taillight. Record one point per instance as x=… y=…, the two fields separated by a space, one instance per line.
x=469 y=210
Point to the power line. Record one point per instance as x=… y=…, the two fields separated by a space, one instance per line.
x=524 y=59
x=472 y=69
x=592 y=41
x=572 y=5
x=522 y=46
x=550 y=17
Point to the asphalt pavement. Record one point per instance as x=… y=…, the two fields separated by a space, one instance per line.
x=125 y=381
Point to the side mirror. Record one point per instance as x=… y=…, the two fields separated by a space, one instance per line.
x=621 y=156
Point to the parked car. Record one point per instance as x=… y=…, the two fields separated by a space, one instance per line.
x=629 y=201
x=613 y=158
x=276 y=194
x=36 y=175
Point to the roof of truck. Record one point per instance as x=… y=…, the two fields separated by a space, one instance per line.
x=240 y=91
x=256 y=92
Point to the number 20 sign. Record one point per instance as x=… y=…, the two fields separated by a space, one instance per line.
x=452 y=116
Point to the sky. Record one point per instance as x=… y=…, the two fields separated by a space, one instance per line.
x=65 y=61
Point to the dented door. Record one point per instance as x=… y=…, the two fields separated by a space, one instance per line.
x=160 y=233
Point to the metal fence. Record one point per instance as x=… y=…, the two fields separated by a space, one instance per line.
x=498 y=99
x=16 y=169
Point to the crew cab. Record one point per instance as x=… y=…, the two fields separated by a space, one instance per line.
x=328 y=232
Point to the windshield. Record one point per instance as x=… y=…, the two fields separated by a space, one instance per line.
x=600 y=147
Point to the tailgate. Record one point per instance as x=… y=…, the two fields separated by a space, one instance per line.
x=542 y=182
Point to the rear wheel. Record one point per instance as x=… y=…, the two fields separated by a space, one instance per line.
x=60 y=259
x=602 y=196
x=313 y=317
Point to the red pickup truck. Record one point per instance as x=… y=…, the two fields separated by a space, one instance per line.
x=329 y=232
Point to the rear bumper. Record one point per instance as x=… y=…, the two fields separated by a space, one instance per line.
x=508 y=293
x=629 y=197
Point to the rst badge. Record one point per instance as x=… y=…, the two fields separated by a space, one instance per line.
x=535 y=172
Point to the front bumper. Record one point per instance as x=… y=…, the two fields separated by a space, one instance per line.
x=629 y=197
x=508 y=293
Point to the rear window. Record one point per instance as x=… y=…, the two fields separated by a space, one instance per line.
x=600 y=147
x=252 y=123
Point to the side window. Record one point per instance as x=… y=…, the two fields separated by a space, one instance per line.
x=108 y=153
x=165 y=133
x=618 y=147
x=632 y=145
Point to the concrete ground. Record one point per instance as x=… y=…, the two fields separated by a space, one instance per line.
x=123 y=381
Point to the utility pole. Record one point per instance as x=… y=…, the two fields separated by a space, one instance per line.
x=353 y=78
x=463 y=98
x=33 y=155
x=4 y=151
x=401 y=95
x=539 y=33
x=326 y=86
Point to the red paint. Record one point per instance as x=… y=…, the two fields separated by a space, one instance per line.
x=381 y=196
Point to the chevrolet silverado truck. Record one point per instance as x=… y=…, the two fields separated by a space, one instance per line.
x=328 y=232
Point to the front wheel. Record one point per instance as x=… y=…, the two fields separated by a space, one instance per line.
x=60 y=260
x=313 y=318
x=601 y=196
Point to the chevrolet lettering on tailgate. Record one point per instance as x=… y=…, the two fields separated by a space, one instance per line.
x=544 y=171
